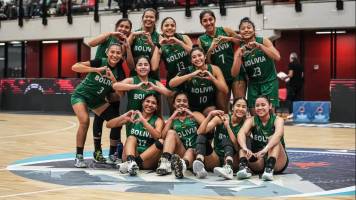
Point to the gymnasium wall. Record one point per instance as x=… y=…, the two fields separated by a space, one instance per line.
x=324 y=57
x=314 y=50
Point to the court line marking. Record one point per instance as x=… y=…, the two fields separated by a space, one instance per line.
x=320 y=152
x=37 y=192
x=328 y=192
x=72 y=125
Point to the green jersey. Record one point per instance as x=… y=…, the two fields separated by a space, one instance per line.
x=187 y=131
x=175 y=58
x=135 y=96
x=140 y=47
x=222 y=55
x=100 y=52
x=261 y=133
x=94 y=88
x=258 y=66
x=144 y=138
x=221 y=132
x=201 y=92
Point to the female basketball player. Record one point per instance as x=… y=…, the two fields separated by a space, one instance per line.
x=257 y=56
x=180 y=133
x=218 y=44
x=143 y=145
x=91 y=93
x=225 y=153
x=267 y=151
x=201 y=82
x=144 y=40
x=140 y=85
x=122 y=31
x=174 y=49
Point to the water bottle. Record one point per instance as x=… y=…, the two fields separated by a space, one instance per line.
x=120 y=147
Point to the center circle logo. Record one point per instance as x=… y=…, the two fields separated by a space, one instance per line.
x=310 y=172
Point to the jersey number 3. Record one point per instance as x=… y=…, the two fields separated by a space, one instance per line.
x=100 y=91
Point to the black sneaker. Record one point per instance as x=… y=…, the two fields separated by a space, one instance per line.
x=98 y=157
x=178 y=166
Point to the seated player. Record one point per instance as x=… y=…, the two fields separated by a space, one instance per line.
x=267 y=153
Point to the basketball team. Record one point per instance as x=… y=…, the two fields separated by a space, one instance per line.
x=205 y=131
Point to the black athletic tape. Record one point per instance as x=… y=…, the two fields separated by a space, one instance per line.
x=159 y=145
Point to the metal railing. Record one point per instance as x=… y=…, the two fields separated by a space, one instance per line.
x=15 y=9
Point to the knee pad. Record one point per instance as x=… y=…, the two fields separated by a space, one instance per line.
x=109 y=113
x=115 y=133
x=158 y=144
x=201 y=139
x=228 y=148
x=201 y=144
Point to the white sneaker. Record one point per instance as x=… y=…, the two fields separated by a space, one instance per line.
x=178 y=166
x=267 y=174
x=133 y=168
x=164 y=167
x=225 y=172
x=243 y=173
x=79 y=161
x=199 y=169
x=113 y=160
x=123 y=167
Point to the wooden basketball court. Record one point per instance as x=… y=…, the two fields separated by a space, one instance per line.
x=29 y=135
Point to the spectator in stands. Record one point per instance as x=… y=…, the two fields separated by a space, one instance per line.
x=109 y=4
x=61 y=7
x=2 y=11
x=295 y=83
